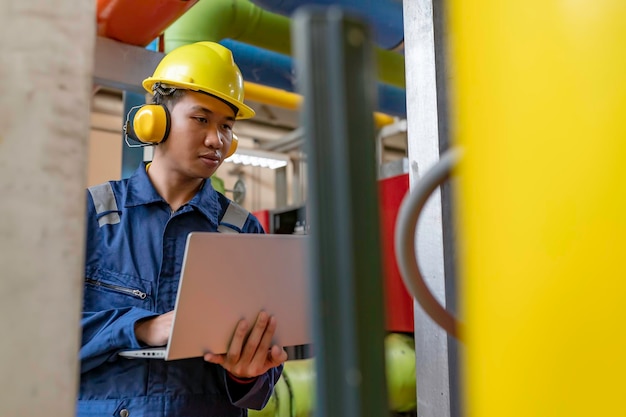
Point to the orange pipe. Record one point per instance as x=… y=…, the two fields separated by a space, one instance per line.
x=137 y=22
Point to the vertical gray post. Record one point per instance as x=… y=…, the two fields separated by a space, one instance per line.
x=131 y=157
x=427 y=135
x=334 y=60
x=45 y=90
x=280 y=181
x=297 y=190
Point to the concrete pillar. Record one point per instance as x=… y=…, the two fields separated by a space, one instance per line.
x=45 y=89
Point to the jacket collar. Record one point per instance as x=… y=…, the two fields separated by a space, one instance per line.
x=140 y=191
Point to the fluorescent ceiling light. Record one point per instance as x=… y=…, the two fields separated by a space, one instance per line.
x=258 y=158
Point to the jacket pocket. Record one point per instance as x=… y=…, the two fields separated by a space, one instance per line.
x=106 y=290
x=118 y=289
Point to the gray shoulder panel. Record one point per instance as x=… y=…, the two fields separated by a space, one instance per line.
x=105 y=204
x=235 y=216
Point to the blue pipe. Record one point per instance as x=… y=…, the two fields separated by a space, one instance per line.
x=391 y=100
x=384 y=16
x=272 y=69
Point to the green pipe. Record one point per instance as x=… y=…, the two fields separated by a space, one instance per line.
x=214 y=20
x=390 y=67
x=243 y=21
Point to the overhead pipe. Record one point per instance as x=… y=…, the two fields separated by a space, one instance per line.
x=138 y=22
x=384 y=16
x=292 y=101
x=276 y=70
x=243 y=21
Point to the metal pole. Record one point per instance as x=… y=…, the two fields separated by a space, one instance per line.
x=131 y=157
x=280 y=181
x=427 y=135
x=335 y=64
x=297 y=191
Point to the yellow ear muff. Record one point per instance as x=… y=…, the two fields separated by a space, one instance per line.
x=151 y=123
x=233 y=146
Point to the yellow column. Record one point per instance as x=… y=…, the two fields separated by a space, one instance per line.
x=540 y=104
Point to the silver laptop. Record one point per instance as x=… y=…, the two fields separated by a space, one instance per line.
x=227 y=277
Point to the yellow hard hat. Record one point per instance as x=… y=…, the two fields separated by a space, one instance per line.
x=203 y=66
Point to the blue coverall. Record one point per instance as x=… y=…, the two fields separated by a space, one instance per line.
x=134 y=254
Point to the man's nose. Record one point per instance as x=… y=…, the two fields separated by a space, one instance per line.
x=213 y=139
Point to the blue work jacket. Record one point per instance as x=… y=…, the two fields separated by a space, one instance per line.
x=134 y=254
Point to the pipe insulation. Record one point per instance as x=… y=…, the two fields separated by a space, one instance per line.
x=245 y=22
x=384 y=16
x=273 y=69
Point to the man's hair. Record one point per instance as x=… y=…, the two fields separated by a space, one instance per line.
x=167 y=96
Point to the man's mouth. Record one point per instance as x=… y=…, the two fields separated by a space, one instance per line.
x=212 y=157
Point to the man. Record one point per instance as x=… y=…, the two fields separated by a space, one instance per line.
x=136 y=234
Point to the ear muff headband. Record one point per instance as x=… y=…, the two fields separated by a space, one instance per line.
x=151 y=123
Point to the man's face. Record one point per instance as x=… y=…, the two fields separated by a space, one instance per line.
x=200 y=135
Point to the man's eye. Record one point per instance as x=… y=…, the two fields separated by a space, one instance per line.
x=227 y=127
x=201 y=119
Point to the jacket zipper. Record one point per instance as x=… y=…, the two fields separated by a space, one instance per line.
x=129 y=291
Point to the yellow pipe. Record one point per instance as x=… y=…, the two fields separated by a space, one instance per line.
x=540 y=102
x=291 y=101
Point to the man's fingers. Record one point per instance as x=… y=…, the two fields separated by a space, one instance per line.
x=234 y=349
x=255 y=337
x=277 y=355
x=216 y=359
x=251 y=353
x=265 y=343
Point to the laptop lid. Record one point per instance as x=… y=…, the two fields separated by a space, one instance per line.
x=227 y=277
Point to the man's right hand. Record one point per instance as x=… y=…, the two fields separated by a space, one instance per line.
x=155 y=331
